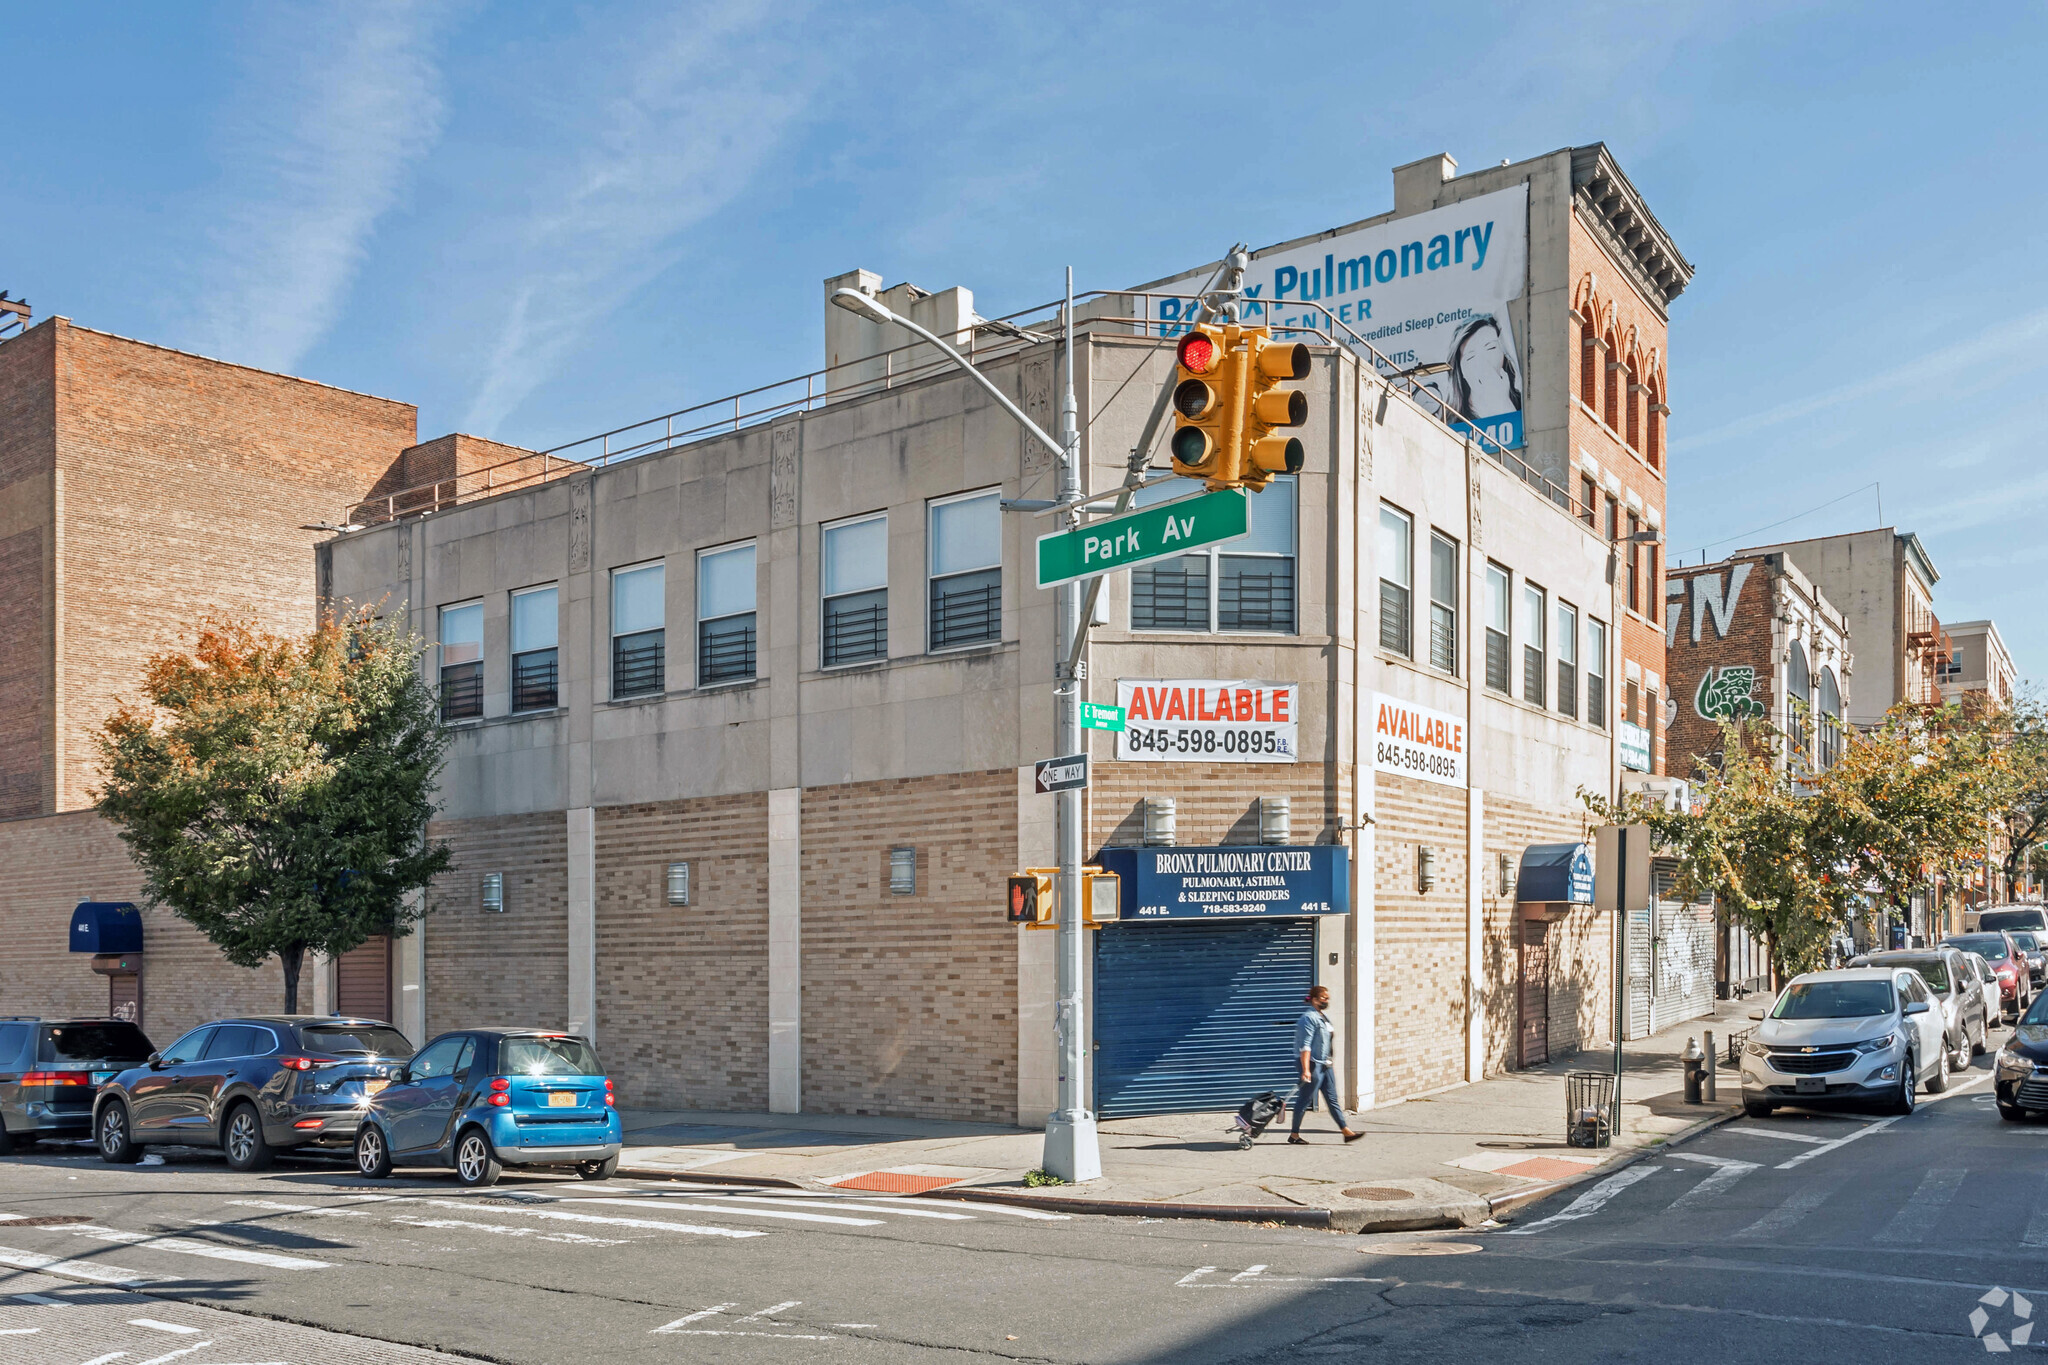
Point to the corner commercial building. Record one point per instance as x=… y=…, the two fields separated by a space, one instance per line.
x=746 y=725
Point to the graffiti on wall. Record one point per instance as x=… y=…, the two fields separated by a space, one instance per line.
x=1728 y=693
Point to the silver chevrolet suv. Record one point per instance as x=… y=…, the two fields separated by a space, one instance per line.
x=1858 y=1036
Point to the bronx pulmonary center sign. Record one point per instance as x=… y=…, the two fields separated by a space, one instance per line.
x=1414 y=741
x=1430 y=289
x=1207 y=720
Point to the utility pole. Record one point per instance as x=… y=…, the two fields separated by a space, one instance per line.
x=1071 y=1150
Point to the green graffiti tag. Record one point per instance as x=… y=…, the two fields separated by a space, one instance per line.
x=1725 y=694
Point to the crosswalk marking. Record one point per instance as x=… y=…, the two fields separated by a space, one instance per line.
x=1591 y=1202
x=730 y=1211
x=1727 y=1171
x=186 y=1246
x=320 y=1209
x=856 y=1208
x=1824 y=1148
x=469 y=1206
x=563 y=1238
x=77 y=1269
x=1747 y=1131
x=41 y=1299
x=1923 y=1208
x=1788 y=1214
x=2037 y=1226
x=164 y=1326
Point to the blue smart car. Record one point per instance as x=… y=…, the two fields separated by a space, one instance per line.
x=483 y=1099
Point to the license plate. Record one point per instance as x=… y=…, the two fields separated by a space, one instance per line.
x=374 y=1087
x=561 y=1099
x=102 y=1077
x=1813 y=1085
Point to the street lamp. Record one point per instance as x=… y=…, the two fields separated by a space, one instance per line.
x=1071 y=1149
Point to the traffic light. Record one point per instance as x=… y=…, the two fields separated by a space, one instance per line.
x=1273 y=362
x=1031 y=898
x=1208 y=414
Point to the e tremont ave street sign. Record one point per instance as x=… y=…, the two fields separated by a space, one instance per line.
x=1139 y=537
x=1096 y=716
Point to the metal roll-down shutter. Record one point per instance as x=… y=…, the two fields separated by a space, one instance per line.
x=1193 y=1016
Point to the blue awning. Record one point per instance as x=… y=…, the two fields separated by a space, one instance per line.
x=106 y=927
x=1555 y=873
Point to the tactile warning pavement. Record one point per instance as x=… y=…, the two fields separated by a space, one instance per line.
x=895 y=1182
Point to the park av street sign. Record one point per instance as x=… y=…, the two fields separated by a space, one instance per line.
x=1160 y=532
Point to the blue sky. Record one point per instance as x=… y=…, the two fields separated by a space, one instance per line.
x=540 y=221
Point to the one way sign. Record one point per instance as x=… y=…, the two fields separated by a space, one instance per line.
x=1063 y=774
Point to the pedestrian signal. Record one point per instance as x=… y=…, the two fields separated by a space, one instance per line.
x=1031 y=898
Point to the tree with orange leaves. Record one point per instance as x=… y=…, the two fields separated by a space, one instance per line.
x=275 y=791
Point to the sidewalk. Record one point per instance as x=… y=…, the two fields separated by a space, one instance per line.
x=1453 y=1158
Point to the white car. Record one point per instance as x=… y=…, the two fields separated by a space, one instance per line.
x=1857 y=1036
x=1987 y=981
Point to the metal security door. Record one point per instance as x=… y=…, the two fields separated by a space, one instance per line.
x=362 y=981
x=1198 y=1016
x=1532 y=990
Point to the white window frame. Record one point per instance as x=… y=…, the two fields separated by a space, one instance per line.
x=698 y=620
x=1215 y=553
x=931 y=575
x=612 y=612
x=825 y=598
x=1405 y=584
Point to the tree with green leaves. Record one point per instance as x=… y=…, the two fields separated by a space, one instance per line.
x=2022 y=731
x=275 y=791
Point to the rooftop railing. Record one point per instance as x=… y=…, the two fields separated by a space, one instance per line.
x=1150 y=316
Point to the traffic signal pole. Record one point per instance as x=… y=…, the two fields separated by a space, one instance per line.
x=1071 y=1150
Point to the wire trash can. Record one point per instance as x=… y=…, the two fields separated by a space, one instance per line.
x=1588 y=1108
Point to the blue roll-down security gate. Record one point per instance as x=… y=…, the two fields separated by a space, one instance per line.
x=1198 y=984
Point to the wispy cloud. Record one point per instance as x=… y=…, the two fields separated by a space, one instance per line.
x=1995 y=501
x=341 y=103
x=700 y=103
x=2012 y=347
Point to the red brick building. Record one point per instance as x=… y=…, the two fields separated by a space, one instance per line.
x=141 y=489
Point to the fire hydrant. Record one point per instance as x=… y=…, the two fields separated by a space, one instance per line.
x=1695 y=1069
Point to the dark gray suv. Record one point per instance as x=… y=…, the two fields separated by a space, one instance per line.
x=250 y=1087
x=49 y=1069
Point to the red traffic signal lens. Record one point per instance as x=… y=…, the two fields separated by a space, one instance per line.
x=1191 y=445
x=1193 y=398
x=1197 y=353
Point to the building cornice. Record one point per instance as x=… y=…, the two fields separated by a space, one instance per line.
x=1613 y=210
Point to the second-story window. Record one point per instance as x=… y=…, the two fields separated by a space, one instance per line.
x=966 y=558
x=1533 y=652
x=1567 y=659
x=1443 y=602
x=1596 y=672
x=725 y=615
x=639 y=634
x=536 y=630
x=1497 y=646
x=1397 y=558
x=1245 y=585
x=462 y=661
x=854 y=585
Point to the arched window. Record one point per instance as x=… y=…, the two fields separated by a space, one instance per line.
x=1829 y=719
x=1654 y=421
x=1798 y=702
x=1610 y=411
x=1632 y=426
x=1589 y=365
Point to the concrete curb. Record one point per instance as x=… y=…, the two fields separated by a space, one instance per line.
x=1294 y=1216
x=1511 y=1200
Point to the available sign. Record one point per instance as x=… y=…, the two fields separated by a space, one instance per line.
x=1414 y=741
x=1139 y=537
x=1207 y=720
x=1207 y=883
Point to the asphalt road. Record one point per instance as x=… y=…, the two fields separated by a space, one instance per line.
x=1803 y=1236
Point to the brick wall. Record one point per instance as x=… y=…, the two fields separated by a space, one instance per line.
x=682 y=991
x=486 y=969
x=24 y=674
x=186 y=482
x=1748 y=642
x=910 y=1002
x=1418 y=962
x=1215 y=803
x=54 y=862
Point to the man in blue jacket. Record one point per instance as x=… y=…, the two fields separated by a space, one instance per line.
x=1314 y=1046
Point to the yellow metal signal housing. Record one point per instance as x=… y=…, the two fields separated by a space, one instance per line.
x=1273 y=362
x=1208 y=411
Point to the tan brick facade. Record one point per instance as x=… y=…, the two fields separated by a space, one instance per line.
x=1418 y=937
x=509 y=968
x=910 y=1001
x=682 y=990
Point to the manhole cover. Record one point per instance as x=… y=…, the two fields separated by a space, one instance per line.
x=1378 y=1193
x=48 y=1220
x=1425 y=1249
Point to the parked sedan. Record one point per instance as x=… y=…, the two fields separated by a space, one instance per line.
x=1989 y=985
x=2020 y=1076
x=481 y=1100
x=251 y=1087
x=49 y=1069
x=2030 y=945
x=1966 y=1027
x=2008 y=963
x=1860 y=1035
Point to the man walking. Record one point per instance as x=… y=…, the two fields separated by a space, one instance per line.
x=1314 y=1037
